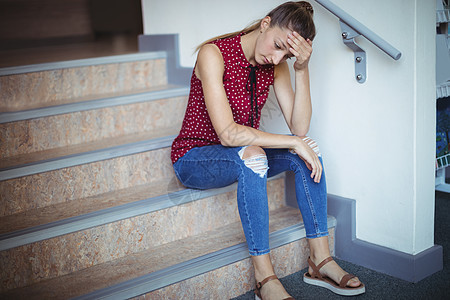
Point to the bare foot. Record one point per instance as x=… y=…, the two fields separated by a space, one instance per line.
x=273 y=290
x=334 y=271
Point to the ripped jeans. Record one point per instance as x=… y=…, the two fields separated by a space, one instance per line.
x=218 y=166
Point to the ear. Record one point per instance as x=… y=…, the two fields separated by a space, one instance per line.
x=265 y=24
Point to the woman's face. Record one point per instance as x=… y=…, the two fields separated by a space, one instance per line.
x=272 y=46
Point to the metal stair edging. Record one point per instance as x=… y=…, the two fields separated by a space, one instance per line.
x=15 y=116
x=85 y=62
x=108 y=215
x=85 y=158
x=196 y=266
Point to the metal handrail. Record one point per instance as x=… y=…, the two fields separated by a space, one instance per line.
x=361 y=29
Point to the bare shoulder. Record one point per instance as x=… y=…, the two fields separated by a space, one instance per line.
x=209 y=61
x=209 y=50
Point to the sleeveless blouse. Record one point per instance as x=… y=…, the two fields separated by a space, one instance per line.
x=197 y=129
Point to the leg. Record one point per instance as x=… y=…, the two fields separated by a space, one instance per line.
x=216 y=166
x=311 y=198
x=255 y=158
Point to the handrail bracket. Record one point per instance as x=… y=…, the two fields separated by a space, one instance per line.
x=348 y=37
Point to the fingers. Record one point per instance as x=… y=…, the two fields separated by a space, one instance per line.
x=299 y=44
x=316 y=165
x=313 y=163
x=317 y=171
x=300 y=48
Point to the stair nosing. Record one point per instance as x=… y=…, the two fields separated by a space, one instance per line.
x=85 y=158
x=15 y=116
x=139 y=56
x=108 y=215
x=194 y=267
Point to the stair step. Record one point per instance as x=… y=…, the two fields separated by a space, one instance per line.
x=95 y=102
x=64 y=218
x=85 y=62
x=35 y=135
x=80 y=181
x=166 y=264
x=65 y=157
x=44 y=84
x=230 y=280
x=62 y=255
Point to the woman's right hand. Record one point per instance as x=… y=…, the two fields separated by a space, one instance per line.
x=312 y=161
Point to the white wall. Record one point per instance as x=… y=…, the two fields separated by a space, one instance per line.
x=377 y=138
x=200 y=20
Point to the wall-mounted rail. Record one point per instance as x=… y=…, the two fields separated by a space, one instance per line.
x=352 y=28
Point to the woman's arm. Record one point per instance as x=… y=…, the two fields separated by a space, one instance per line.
x=209 y=69
x=296 y=107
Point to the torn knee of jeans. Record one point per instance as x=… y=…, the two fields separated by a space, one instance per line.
x=257 y=163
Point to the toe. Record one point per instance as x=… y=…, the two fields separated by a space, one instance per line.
x=354 y=282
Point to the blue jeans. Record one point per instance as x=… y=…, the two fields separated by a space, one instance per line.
x=218 y=166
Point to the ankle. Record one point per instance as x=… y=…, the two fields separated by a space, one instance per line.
x=319 y=257
x=263 y=267
x=260 y=276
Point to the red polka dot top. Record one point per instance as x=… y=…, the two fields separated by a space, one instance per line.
x=197 y=129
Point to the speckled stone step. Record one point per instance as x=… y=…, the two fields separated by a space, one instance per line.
x=62 y=255
x=41 y=85
x=85 y=180
x=79 y=127
x=183 y=269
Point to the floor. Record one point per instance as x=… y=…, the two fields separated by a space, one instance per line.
x=382 y=286
x=100 y=46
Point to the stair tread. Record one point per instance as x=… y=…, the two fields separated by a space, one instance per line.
x=148 y=261
x=32 y=158
x=74 y=208
x=88 y=98
x=82 y=62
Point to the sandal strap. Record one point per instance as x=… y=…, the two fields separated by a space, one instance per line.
x=259 y=285
x=316 y=269
x=345 y=280
x=324 y=262
x=315 y=272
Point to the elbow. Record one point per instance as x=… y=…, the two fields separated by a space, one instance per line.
x=227 y=136
x=225 y=140
x=300 y=131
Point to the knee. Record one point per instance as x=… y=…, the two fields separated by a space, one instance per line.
x=255 y=159
x=251 y=151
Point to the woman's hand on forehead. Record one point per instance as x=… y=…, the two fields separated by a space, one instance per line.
x=300 y=48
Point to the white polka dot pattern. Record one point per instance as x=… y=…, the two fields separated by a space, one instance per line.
x=197 y=129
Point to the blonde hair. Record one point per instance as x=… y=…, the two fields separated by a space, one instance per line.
x=297 y=16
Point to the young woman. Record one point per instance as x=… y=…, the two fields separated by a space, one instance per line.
x=220 y=143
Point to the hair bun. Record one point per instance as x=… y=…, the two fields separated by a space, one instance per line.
x=306 y=5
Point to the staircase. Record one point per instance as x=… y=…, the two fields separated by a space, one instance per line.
x=90 y=206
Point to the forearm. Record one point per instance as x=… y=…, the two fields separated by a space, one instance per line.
x=302 y=110
x=237 y=135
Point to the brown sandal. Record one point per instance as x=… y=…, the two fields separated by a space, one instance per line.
x=259 y=286
x=324 y=281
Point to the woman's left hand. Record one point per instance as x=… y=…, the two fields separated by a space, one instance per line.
x=301 y=49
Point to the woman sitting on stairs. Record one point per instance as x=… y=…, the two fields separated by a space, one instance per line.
x=220 y=143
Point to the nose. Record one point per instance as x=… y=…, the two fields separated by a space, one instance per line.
x=278 y=58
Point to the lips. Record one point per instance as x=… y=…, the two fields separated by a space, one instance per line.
x=266 y=60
